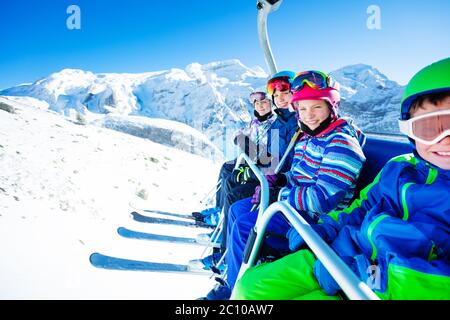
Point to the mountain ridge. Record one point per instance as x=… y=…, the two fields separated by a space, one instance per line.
x=211 y=98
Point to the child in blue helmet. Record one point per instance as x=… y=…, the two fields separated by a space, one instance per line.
x=399 y=227
x=279 y=89
x=282 y=121
x=282 y=131
x=272 y=141
x=257 y=134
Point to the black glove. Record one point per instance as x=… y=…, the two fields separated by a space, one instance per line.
x=277 y=180
x=242 y=174
x=273 y=195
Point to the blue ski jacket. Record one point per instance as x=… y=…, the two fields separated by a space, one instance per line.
x=396 y=235
x=286 y=126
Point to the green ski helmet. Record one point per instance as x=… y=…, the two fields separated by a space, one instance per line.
x=431 y=79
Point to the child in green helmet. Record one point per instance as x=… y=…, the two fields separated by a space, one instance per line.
x=399 y=226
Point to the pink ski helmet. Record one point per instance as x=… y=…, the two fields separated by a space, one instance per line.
x=315 y=85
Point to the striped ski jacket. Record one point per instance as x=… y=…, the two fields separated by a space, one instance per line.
x=325 y=169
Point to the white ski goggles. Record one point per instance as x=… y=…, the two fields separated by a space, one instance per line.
x=428 y=128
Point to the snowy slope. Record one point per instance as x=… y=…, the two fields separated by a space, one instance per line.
x=64 y=190
x=211 y=98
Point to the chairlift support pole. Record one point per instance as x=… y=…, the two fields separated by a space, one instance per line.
x=265 y=7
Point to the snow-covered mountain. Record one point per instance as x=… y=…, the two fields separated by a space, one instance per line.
x=211 y=98
x=370 y=98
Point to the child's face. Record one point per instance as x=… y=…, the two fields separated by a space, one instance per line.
x=263 y=107
x=282 y=99
x=312 y=112
x=438 y=153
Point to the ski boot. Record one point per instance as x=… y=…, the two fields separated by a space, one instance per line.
x=200 y=216
x=221 y=291
x=207 y=263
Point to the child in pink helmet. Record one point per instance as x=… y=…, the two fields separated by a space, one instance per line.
x=327 y=161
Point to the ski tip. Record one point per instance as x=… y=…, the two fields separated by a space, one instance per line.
x=133 y=214
x=94 y=257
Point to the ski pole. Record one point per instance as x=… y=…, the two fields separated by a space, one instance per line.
x=216 y=188
x=216 y=268
x=288 y=150
x=214 y=236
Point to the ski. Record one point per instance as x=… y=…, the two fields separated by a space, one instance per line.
x=127 y=233
x=131 y=234
x=177 y=215
x=170 y=214
x=113 y=263
x=141 y=218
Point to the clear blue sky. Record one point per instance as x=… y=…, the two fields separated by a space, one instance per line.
x=150 y=35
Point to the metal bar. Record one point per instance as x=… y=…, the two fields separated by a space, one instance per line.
x=262 y=180
x=213 y=241
x=353 y=287
x=264 y=9
x=288 y=150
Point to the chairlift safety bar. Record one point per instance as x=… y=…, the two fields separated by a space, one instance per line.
x=353 y=287
x=262 y=179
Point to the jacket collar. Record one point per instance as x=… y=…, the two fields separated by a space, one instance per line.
x=425 y=166
x=263 y=118
x=330 y=128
